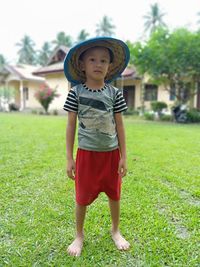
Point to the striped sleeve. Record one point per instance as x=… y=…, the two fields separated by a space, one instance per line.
x=120 y=104
x=71 y=103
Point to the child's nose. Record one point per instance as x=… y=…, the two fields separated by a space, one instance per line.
x=98 y=63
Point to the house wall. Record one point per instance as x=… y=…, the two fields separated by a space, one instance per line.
x=163 y=95
x=31 y=102
x=58 y=81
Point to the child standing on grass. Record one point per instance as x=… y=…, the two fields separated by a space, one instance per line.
x=101 y=156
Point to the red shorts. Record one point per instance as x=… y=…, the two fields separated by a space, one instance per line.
x=97 y=172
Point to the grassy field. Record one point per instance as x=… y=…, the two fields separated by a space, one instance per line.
x=160 y=197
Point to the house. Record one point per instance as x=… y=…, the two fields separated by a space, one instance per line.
x=54 y=76
x=24 y=83
x=27 y=79
x=130 y=82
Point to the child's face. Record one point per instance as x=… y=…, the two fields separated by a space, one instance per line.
x=95 y=63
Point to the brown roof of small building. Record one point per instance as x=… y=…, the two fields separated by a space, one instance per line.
x=56 y=67
x=130 y=72
x=58 y=54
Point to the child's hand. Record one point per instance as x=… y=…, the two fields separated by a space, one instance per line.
x=122 y=169
x=71 y=169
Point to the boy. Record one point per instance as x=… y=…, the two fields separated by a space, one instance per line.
x=101 y=156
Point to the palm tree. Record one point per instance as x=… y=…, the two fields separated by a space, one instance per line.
x=82 y=36
x=154 y=19
x=44 y=54
x=26 y=52
x=63 y=39
x=198 y=22
x=105 y=27
x=2 y=61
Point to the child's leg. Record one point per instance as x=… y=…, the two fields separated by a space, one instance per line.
x=76 y=246
x=118 y=239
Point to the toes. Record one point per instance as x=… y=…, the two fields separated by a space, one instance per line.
x=124 y=246
x=74 y=252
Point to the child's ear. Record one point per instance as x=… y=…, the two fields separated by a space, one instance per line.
x=81 y=65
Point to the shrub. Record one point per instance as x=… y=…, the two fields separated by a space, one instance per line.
x=45 y=95
x=149 y=116
x=131 y=111
x=166 y=117
x=55 y=112
x=158 y=106
x=34 y=111
x=13 y=107
x=193 y=115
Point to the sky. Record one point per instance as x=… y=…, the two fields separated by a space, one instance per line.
x=43 y=19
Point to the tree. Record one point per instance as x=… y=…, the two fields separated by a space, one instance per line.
x=154 y=19
x=198 y=22
x=172 y=60
x=6 y=95
x=105 y=27
x=2 y=61
x=27 y=54
x=82 y=36
x=44 y=54
x=62 y=39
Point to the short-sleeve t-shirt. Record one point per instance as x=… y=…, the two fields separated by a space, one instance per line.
x=95 y=110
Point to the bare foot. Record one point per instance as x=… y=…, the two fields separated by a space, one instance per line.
x=119 y=241
x=76 y=247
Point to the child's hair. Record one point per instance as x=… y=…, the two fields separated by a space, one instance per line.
x=110 y=53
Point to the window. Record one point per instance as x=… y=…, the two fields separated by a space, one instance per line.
x=150 y=92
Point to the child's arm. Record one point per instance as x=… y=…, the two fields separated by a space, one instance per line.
x=70 y=136
x=122 y=143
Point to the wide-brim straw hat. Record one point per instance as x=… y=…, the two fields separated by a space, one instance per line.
x=118 y=48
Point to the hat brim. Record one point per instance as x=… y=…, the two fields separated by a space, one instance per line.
x=119 y=49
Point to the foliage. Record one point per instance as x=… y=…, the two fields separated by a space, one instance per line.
x=131 y=111
x=2 y=61
x=6 y=95
x=83 y=35
x=149 y=116
x=44 y=54
x=193 y=115
x=159 y=201
x=13 y=107
x=171 y=59
x=198 y=22
x=105 y=27
x=154 y=19
x=45 y=95
x=166 y=117
x=158 y=106
x=62 y=39
x=27 y=53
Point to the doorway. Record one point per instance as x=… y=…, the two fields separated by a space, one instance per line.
x=129 y=95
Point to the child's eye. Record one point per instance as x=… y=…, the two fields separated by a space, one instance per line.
x=104 y=61
x=92 y=59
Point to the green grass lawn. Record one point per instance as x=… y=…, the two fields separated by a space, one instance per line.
x=160 y=197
